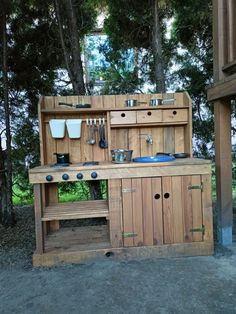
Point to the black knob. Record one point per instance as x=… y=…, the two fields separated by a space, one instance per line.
x=94 y=175
x=65 y=176
x=49 y=178
x=79 y=176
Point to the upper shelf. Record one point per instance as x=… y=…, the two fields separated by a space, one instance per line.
x=63 y=110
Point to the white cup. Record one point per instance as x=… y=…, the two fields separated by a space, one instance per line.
x=57 y=127
x=74 y=127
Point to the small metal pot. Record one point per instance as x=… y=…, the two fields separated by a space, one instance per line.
x=131 y=102
x=155 y=102
x=62 y=158
x=121 y=156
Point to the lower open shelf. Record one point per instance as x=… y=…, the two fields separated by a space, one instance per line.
x=68 y=239
x=76 y=210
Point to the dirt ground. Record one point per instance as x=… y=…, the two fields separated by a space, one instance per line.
x=177 y=285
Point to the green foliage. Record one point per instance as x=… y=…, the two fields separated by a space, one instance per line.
x=191 y=36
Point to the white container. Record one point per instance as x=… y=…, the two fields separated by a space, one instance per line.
x=57 y=127
x=74 y=127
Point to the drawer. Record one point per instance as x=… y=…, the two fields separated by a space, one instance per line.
x=149 y=116
x=175 y=115
x=123 y=117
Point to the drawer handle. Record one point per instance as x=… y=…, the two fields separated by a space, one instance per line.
x=166 y=195
x=149 y=113
x=174 y=112
x=157 y=196
x=123 y=115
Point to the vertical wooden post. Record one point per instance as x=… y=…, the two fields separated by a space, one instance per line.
x=223 y=161
x=231 y=11
x=38 y=217
x=219 y=38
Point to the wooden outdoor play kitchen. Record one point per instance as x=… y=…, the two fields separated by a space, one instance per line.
x=158 y=200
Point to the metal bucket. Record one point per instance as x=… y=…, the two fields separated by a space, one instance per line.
x=121 y=156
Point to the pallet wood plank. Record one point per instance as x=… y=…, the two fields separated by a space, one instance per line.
x=158 y=140
x=178 y=227
x=115 y=213
x=146 y=148
x=167 y=210
x=179 y=140
x=127 y=212
x=187 y=205
x=120 y=101
x=147 y=211
x=207 y=208
x=169 y=140
x=109 y=101
x=137 y=211
x=197 y=208
x=38 y=216
x=157 y=211
x=134 y=141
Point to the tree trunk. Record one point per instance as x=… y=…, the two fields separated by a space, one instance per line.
x=72 y=55
x=72 y=52
x=157 y=50
x=7 y=217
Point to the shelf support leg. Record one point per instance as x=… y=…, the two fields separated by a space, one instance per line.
x=38 y=218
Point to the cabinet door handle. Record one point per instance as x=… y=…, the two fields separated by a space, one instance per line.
x=157 y=196
x=166 y=195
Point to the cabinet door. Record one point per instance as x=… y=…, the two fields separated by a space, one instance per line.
x=142 y=211
x=182 y=209
x=164 y=210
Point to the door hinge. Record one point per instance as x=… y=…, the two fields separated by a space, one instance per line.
x=128 y=190
x=201 y=229
x=129 y=234
x=195 y=187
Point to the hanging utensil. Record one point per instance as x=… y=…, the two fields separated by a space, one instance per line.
x=91 y=130
x=102 y=142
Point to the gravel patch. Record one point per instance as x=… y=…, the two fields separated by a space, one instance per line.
x=17 y=243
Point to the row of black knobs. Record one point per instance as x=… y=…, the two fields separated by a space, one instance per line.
x=66 y=177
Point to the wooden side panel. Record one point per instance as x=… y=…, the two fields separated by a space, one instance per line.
x=187 y=205
x=147 y=211
x=115 y=213
x=137 y=211
x=127 y=211
x=177 y=196
x=168 y=223
x=197 y=208
x=157 y=211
